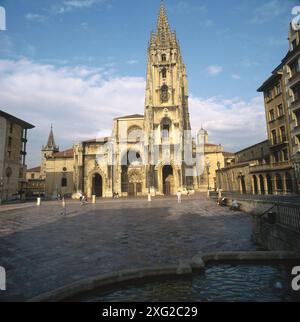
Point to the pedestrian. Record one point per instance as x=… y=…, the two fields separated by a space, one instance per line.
x=179 y=196
x=64 y=207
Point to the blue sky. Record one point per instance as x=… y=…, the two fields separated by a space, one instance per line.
x=230 y=47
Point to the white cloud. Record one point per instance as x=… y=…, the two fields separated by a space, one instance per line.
x=81 y=102
x=35 y=17
x=214 y=70
x=236 y=76
x=132 y=62
x=69 y=5
x=270 y=10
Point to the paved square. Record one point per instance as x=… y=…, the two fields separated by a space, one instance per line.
x=42 y=250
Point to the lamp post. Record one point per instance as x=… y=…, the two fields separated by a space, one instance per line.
x=219 y=173
x=208 y=173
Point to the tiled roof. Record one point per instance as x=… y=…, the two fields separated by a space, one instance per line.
x=64 y=154
x=134 y=116
x=36 y=169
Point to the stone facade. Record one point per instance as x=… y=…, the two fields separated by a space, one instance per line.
x=149 y=153
x=13 y=140
x=154 y=152
x=272 y=167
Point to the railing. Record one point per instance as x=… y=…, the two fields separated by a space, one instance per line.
x=288 y=215
x=274 y=199
x=268 y=166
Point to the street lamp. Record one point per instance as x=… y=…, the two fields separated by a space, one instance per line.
x=208 y=173
x=219 y=173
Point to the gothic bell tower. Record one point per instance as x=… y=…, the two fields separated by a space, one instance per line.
x=166 y=107
x=167 y=87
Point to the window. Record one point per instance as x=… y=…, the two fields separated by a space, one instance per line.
x=166 y=131
x=32 y=175
x=272 y=115
x=294 y=44
x=278 y=89
x=283 y=134
x=274 y=137
x=276 y=157
x=285 y=155
x=11 y=128
x=164 y=57
x=294 y=67
x=296 y=91
x=164 y=73
x=268 y=94
x=280 y=110
x=164 y=93
x=9 y=142
x=64 y=182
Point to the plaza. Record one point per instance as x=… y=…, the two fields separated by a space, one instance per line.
x=42 y=250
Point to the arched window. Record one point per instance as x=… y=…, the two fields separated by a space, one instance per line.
x=164 y=93
x=165 y=128
x=279 y=182
x=289 y=183
x=255 y=185
x=164 y=73
x=270 y=185
x=163 y=57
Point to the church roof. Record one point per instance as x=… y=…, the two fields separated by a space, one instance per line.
x=134 y=116
x=36 y=169
x=64 y=154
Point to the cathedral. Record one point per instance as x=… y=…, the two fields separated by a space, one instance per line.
x=150 y=153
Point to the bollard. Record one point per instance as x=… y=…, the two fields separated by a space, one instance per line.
x=64 y=203
x=149 y=197
x=39 y=201
x=93 y=199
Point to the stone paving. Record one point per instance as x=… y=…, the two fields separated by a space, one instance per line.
x=41 y=250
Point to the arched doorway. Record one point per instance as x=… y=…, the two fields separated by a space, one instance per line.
x=243 y=184
x=97 y=185
x=255 y=185
x=262 y=185
x=270 y=186
x=168 y=180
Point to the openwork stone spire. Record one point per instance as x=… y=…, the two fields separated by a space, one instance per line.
x=163 y=28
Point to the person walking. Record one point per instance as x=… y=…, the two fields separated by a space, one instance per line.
x=64 y=207
x=179 y=196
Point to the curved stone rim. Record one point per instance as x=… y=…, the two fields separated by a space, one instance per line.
x=197 y=263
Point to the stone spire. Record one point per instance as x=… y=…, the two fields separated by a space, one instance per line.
x=163 y=28
x=51 y=146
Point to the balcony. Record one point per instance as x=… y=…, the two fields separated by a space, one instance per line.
x=277 y=166
x=296 y=130
x=294 y=79
x=295 y=105
x=277 y=141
